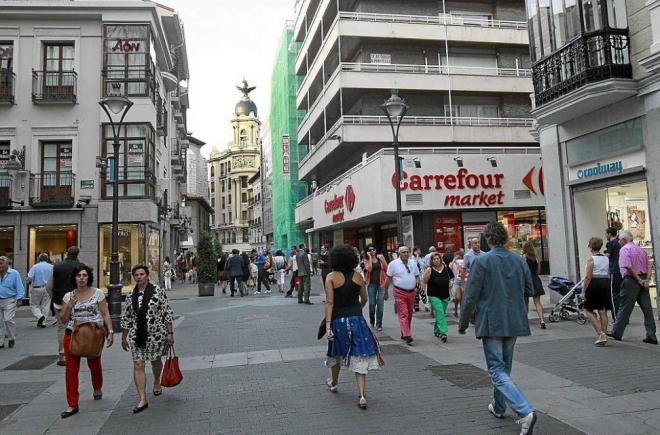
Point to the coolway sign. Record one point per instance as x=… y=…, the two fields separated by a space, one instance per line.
x=607 y=168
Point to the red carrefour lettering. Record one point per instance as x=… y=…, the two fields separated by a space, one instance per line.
x=462 y=179
x=334 y=204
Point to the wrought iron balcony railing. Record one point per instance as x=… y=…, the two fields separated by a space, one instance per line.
x=5 y=192
x=130 y=81
x=54 y=87
x=7 y=86
x=591 y=58
x=161 y=116
x=52 y=189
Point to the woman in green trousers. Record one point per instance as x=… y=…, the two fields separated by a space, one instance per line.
x=437 y=279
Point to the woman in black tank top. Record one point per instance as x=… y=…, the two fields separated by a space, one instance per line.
x=437 y=279
x=350 y=341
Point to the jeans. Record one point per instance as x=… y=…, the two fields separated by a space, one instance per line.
x=376 y=304
x=499 y=358
x=40 y=302
x=241 y=286
x=632 y=292
x=7 y=312
x=439 y=308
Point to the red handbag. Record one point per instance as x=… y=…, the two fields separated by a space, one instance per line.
x=172 y=375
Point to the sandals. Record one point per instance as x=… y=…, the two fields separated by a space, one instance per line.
x=333 y=388
x=362 y=403
x=158 y=392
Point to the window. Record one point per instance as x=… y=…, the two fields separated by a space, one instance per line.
x=244 y=197
x=244 y=182
x=4 y=153
x=212 y=187
x=127 y=64
x=244 y=215
x=223 y=202
x=222 y=184
x=229 y=200
x=56 y=170
x=58 y=69
x=136 y=161
x=212 y=172
x=6 y=77
x=615 y=140
x=132 y=250
x=242 y=138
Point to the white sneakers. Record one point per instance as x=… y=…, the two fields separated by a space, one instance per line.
x=527 y=423
x=268 y=291
x=491 y=408
x=602 y=340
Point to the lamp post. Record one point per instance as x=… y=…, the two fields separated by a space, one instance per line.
x=117 y=106
x=395 y=108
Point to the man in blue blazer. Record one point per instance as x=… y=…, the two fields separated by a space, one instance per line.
x=496 y=288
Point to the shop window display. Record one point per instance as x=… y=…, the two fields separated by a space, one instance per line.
x=527 y=225
x=131 y=249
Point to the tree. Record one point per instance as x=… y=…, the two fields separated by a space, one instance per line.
x=206 y=260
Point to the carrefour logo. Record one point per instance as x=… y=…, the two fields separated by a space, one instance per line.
x=601 y=169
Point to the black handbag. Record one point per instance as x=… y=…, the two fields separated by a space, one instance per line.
x=322 y=330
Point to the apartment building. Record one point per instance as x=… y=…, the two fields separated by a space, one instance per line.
x=463 y=69
x=596 y=68
x=57 y=60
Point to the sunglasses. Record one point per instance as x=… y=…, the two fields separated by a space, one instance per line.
x=372 y=249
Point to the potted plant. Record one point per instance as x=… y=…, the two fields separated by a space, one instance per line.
x=206 y=266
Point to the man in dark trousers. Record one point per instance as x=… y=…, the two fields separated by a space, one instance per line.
x=234 y=269
x=612 y=249
x=324 y=262
x=304 y=275
x=59 y=285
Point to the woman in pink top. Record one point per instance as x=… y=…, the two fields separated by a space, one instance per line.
x=375 y=268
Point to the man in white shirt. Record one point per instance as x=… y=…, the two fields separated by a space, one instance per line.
x=38 y=277
x=427 y=258
x=404 y=274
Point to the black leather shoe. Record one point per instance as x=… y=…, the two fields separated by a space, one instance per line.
x=309 y=303
x=11 y=343
x=67 y=414
x=40 y=322
x=408 y=339
x=139 y=409
x=650 y=340
x=609 y=334
x=300 y=302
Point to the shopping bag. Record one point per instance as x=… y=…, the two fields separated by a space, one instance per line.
x=172 y=375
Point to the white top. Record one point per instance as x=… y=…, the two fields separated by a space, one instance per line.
x=254 y=268
x=278 y=261
x=86 y=311
x=601 y=266
x=403 y=275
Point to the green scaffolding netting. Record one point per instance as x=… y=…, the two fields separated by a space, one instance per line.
x=284 y=118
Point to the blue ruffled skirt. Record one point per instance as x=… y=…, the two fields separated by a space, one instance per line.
x=353 y=345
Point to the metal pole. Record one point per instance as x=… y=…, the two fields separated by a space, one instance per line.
x=114 y=288
x=399 y=216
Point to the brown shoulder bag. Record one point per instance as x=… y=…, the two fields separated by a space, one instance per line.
x=87 y=339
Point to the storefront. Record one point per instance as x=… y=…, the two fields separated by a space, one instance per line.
x=446 y=200
x=7 y=242
x=132 y=245
x=53 y=240
x=611 y=192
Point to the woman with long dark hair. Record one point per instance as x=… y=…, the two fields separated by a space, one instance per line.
x=534 y=264
x=147 y=330
x=85 y=304
x=350 y=341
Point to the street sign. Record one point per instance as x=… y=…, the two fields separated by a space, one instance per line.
x=86 y=184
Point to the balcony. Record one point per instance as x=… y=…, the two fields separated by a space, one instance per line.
x=592 y=58
x=52 y=189
x=7 y=86
x=130 y=81
x=54 y=87
x=5 y=192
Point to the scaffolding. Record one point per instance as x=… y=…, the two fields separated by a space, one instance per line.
x=284 y=119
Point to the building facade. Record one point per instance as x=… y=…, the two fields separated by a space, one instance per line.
x=284 y=117
x=196 y=211
x=267 y=185
x=463 y=69
x=229 y=172
x=256 y=229
x=596 y=80
x=58 y=59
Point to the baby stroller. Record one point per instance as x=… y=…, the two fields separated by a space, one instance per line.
x=571 y=301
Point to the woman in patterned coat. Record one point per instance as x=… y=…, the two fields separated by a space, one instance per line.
x=147 y=330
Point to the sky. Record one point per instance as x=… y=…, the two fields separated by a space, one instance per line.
x=226 y=41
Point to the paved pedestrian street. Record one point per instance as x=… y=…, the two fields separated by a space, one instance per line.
x=253 y=365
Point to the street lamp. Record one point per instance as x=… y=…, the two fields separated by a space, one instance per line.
x=395 y=108
x=117 y=106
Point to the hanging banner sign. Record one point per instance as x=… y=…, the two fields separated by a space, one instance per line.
x=286 y=156
x=135 y=154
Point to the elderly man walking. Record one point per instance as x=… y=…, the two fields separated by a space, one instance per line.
x=11 y=292
x=404 y=274
x=39 y=276
x=635 y=269
x=496 y=290
x=304 y=275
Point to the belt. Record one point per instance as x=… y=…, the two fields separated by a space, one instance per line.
x=405 y=290
x=38 y=286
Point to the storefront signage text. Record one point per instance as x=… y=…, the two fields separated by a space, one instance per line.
x=338 y=202
x=601 y=169
x=463 y=179
x=126 y=46
x=285 y=154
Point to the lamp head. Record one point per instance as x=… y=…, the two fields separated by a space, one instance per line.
x=116 y=104
x=395 y=106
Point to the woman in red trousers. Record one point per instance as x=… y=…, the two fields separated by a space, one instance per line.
x=84 y=304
